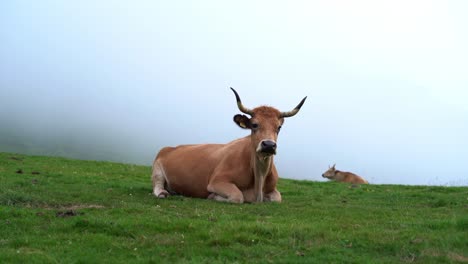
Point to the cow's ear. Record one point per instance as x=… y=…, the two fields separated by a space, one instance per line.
x=242 y=121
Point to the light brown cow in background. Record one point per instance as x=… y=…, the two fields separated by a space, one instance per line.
x=343 y=176
x=239 y=171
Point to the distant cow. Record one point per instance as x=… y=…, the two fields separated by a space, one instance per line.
x=343 y=176
x=239 y=171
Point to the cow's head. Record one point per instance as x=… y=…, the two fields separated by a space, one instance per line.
x=265 y=123
x=330 y=173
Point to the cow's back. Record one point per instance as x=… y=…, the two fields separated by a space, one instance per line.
x=352 y=178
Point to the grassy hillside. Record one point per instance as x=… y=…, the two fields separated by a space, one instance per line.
x=55 y=210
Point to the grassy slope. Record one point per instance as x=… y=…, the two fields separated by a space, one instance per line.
x=117 y=220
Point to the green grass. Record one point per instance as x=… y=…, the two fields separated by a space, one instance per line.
x=86 y=212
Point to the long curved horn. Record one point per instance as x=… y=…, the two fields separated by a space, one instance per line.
x=242 y=108
x=295 y=110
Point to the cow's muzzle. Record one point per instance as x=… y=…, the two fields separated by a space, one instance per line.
x=268 y=147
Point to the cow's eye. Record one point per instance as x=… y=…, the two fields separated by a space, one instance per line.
x=279 y=128
x=254 y=126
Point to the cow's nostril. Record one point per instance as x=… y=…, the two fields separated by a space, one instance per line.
x=268 y=144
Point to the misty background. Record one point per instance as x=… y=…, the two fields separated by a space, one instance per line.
x=386 y=81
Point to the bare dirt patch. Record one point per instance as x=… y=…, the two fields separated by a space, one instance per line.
x=451 y=255
x=83 y=206
x=68 y=213
x=73 y=207
x=457 y=257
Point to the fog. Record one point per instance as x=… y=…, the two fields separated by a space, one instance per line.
x=386 y=82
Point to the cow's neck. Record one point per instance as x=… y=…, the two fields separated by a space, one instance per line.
x=261 y=167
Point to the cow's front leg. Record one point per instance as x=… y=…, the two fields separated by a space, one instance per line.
x=273 y=196
x=249 y=196
x=225 y=192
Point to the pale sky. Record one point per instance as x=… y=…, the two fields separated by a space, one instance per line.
x=386 y=81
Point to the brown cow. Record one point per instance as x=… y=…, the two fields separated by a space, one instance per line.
x=343 y=176
x=239 y=171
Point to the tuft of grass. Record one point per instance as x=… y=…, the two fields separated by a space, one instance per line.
x=63 y=210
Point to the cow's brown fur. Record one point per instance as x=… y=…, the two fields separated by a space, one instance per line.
x=343 y=176
x=234 y=172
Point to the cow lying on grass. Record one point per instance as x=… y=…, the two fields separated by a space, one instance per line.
x=343 y=176
x=239 y=171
